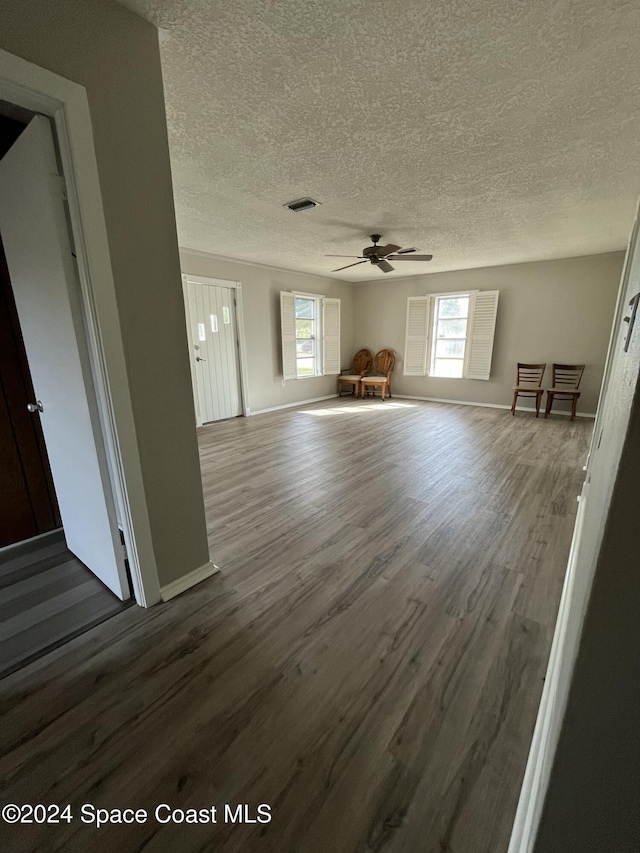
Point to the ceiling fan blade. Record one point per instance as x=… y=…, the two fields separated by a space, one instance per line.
x=349 y=265
x=410 y=257
x=384 y=266
x=389 y=249
x=406 y=251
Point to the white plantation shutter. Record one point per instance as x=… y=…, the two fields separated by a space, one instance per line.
x=417 y=335
x=288 y=328
x=330 y=336
x=483 y=324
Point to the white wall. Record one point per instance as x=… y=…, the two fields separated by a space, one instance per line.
x=549 y=311
x=261 y=288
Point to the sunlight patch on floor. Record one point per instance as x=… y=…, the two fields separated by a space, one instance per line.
x=364 y=407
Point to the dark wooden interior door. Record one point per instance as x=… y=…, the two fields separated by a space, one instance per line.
x=28 y=503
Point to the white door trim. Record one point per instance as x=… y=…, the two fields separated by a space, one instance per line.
x=34 y=88
x=553 y=701
x=194 y=381
x=244 y=373
x=239 y=312
x=621 y=307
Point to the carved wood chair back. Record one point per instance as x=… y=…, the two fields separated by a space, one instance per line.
x=383 y=362
x=362 y=362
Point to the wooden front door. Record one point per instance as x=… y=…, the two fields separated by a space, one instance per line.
x=28 y=503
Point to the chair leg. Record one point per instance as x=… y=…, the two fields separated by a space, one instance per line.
x=382 y=391
x=513 y=405
x=549 y=403
x=538 y=402
x=389 y=388
x=574 y=405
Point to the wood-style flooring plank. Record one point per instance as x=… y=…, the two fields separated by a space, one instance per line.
x=368 y=662
x=46 y=596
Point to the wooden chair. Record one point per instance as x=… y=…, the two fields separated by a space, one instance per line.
x=383 y=363
x=529 y=384
x=362 y=363
x=566 y=381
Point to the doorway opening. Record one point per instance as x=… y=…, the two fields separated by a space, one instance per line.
x=53 y=583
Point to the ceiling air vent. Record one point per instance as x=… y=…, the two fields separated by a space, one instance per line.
x=301 y=204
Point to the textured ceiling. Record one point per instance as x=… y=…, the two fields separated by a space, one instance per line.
x=482 y=131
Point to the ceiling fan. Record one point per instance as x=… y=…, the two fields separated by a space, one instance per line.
x=380 y=256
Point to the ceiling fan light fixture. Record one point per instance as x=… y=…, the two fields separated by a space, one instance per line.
x=301 y=204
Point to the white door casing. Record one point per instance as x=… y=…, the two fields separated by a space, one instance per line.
x=37 y=246
x=214 y=349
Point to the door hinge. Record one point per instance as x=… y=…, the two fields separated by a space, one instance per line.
x=63 y=186
x=124 y=544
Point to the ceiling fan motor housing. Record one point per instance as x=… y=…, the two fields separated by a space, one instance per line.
x=372 y=251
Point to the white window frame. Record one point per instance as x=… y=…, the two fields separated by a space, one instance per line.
x=320 y=302
x=433 y=326
x=316 y=337
x=479 y=339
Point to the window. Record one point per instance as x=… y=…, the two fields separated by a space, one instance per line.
x=450 y=335
x=450 y=321
x=310 y=335
x=306 y=314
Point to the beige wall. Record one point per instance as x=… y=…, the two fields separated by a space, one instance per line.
x=261 y=288
x=548 y=311
x=115 y=55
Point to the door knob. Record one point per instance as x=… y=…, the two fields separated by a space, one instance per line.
x=200 y=359
x=35 y=407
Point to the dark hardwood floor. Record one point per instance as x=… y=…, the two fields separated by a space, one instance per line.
x=47 y=597
x=369 y=661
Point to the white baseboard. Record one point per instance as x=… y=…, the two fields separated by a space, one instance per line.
x=293 y=405
x=488 y=405
x=187 y=581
